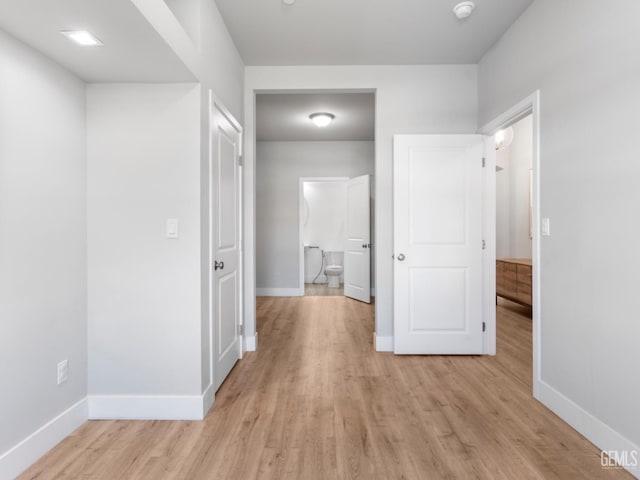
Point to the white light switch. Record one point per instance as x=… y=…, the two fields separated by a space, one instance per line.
x=172 y=228
x=546 y=227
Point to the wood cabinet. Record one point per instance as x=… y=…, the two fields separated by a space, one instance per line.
x=513 y=279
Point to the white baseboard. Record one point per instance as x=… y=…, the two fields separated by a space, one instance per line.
x=597 y=432
x=383 y=344
x=251 y=343
x=28 y=451
x=146 y=407
x=208 y=398
x=280 y=292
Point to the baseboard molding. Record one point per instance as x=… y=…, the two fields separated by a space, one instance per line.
x=251 y=343
x=28 y=451
x=279 y=292
x=146 y=407
x=208 y=399
x=597 y=432
x=383 y=344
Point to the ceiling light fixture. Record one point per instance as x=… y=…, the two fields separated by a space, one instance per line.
x=503 y=138
x=322 y=119
x=464 y=9
x=288 y=2
x=82 y=37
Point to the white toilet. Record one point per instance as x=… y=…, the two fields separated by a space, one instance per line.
x=334 y=268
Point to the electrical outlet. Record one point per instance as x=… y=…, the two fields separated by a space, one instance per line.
x=63 y=371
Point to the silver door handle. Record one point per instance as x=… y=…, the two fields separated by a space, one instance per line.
x=401 y=257
x=366 y=245
x=218 y=265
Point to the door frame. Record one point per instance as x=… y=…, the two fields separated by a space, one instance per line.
x=528 y=106
x=215 y=102
x=301 y=220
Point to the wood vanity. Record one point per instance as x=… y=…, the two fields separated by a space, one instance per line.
x=513 y=279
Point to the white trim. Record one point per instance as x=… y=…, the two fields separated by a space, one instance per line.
x=529 y=105
x=301 y=182
x=383 y=344
x=373 y=292
x=280 y=292
x=596 y=431
x=146 y=407
x=251 y=343
x=489 y=254
x=20 y=457
x=208 y=399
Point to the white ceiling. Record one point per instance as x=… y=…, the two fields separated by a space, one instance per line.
x=365 y=32
x=132 y=52
x=285 y=116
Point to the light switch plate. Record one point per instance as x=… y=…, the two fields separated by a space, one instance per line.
x=172 y=228
x=546 y=227
x=63 y=371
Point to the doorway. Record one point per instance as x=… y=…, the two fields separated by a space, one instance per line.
x=333 y=165
x=322 y=235
x=529 y=110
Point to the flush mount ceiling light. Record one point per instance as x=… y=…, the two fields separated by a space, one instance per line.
x=82 y=37
x=288 y=2
x=322 y=119
x=503 y=138
x=464 y=9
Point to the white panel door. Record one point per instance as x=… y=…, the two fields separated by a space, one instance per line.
x=438 y=244
x=225 y=198
x=357 y=250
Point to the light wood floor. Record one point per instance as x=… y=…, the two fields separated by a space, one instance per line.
x=322 y=290
x=316 y=402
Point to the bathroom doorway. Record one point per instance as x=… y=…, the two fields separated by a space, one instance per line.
x=323 y=219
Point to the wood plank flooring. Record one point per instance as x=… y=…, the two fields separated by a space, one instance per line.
x=316 y=402
x=322 y=290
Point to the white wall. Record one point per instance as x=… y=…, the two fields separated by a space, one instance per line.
x=409 y=99
x=587 y=68
x=280 y=165
x=42 y=241
x=144 y=289
x=512 y=184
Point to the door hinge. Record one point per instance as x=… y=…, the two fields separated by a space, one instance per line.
x=484 y=162
x=240 y=160
x=241 y=330
x=484 y=244
x=484 y=326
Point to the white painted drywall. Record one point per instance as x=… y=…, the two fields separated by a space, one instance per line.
x=587 y=68
x=512 y=194
x=280 y=165
x=325 y=217
x=187 y=12
x=197 y=33
x=43 y=317
x=144 y=289
x=409 y=99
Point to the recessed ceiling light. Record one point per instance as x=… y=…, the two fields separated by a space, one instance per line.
x=322 y=119
x=82 y=37
x=464 y=9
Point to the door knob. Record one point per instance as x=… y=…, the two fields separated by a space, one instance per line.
x=401 y=257
x=218 y=265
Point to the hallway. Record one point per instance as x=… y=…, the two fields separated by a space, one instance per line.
x=316 y=402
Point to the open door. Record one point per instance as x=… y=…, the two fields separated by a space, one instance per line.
x=357 y=251
x=225 y=198
x=438 y=244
